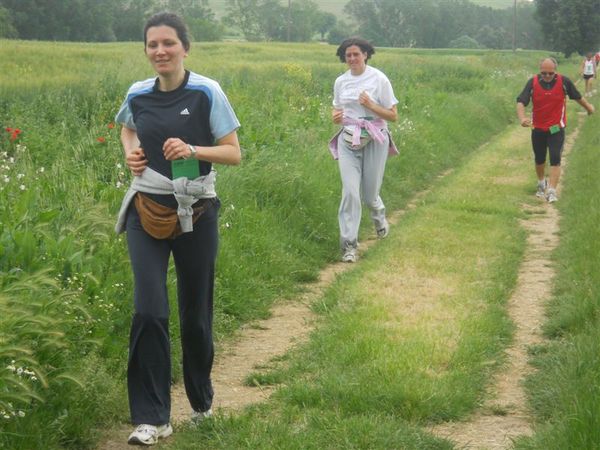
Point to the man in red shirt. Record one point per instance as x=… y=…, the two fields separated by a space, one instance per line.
x=548 y=91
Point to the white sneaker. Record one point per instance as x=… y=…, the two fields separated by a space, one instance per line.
x=199 y=416
x=350 y=255
x=551 y=197
x=149 y=434
x=541 y=188
x=383 y=231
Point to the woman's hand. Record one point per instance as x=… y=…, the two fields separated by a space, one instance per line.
x=389 y=114
x=337 y=115
x=365 y=100
x=136 y=161
x=175 y=148
x=135 y=158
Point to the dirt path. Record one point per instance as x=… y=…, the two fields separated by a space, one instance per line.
x=259 y=342
x=505 y=416
x=255 y=345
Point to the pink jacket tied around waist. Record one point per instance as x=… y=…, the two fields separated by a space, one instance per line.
x=375 y=128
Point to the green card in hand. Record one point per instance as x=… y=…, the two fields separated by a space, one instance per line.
x=188 y=168
x=554 y=129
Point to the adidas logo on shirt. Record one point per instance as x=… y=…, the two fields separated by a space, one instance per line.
x=185 y=112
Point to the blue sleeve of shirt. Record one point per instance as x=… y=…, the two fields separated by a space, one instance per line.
x=222 y=117
x=124 y=116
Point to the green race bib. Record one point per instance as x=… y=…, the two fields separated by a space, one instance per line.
x=554 y=129
x=187 y=168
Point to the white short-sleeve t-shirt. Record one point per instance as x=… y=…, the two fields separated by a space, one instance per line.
x=348 y=87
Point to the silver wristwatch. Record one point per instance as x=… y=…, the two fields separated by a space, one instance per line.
x=193 y=151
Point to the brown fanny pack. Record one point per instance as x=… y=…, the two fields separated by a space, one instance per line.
x=162 y=222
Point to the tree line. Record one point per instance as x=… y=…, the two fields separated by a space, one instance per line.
x=568 y=26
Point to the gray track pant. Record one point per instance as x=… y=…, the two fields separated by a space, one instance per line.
x=362 y=173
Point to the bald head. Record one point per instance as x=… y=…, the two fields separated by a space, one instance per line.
x=548 y=65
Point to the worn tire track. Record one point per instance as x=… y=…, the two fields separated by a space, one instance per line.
x=505 y=416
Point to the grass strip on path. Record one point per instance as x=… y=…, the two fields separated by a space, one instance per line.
x=410 y=336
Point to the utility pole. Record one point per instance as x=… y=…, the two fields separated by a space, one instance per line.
x=514 y=27
x=289 y=20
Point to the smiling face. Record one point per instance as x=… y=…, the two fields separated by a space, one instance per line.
x=165 y=51
x=356 y=59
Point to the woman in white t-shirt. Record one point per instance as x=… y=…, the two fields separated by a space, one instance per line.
x=588 y=70
x=363 y=102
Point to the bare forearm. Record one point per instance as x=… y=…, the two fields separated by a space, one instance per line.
x=391 y=114
x=585 y=104
x=129 y=139
x=227 y=151
x=220 y=154
x=523 y=119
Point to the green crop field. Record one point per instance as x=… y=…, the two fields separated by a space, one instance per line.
x=65 y=281
x=337 y=6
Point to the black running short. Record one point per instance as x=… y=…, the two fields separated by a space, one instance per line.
x=543 y=142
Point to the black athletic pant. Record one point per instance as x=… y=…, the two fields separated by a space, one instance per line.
x=544 y=142
x=149 y=369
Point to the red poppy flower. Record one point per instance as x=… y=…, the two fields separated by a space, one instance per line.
x=8 y=129
x=111 y=126
x=101 y=139
x=14 y=134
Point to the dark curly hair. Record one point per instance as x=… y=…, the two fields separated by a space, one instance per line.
x=170 y=20
x=363 y=44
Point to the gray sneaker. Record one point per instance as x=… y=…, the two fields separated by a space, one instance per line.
x=350 y=255
x=383 y=231
x=551 y=197
x=541 y=188
x=199 y=416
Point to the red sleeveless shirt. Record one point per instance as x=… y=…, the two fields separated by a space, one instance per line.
x=549 y=105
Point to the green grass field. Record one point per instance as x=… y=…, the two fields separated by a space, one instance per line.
x=66 y=287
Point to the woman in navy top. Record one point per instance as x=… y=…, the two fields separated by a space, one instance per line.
x=176 y=116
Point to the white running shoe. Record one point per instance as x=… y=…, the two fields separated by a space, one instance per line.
x=551 y=197
x=350 y=255
x=149 y=434
x=541 y=188
x=199 y=416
